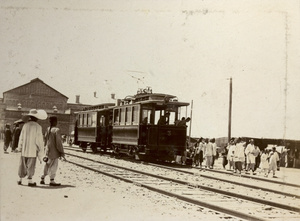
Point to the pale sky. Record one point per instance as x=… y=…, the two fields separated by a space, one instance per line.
x=185 y=48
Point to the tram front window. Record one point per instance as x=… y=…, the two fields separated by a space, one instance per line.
x=165 y=118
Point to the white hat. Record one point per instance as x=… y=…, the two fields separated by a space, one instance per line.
x=39 y=114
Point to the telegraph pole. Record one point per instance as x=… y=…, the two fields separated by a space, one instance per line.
x=230 y=107
x=191 y=122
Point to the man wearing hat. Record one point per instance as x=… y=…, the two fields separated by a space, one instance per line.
x=31 y=144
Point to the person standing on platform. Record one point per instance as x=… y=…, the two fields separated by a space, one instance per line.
x=214 y=157
x=208 y=154
x=273 y=158
x=31 y=144
x=224 y=153
x=264 y=164
x=251 y=153
x=54 y=151
x=285 y=155
x=15 y=137
x=7 y=137
x=201 y=150
x=239 y=154
x=230 y=154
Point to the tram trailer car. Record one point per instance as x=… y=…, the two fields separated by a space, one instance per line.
x=93 y=127
x=142 y=126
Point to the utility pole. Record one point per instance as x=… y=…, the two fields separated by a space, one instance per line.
x=230 y=107
x=191 y=122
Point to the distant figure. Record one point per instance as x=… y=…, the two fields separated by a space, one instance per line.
x=230 y=155
x=214 y=157
x=15 y=137
x=251 y=153
x=54 y=151
x=284 y=155
x=7 y=137
x=264 y=164
x=273 y=158
x=239 y=154
x=164 y=119
x=208 y=153
x=224 y=153
x=70 y=142
x=31 y=144
x=183 y=122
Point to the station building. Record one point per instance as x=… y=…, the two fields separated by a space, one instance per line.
x=38 y=95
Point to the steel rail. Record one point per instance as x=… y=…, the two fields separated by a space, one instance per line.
x=252 y=199
x=232 y=182
x=234 y=213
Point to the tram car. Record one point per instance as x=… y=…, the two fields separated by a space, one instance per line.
x=93 y=127
x=143 y=126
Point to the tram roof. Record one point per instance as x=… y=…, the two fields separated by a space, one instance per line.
x=99 y=106
x=160 y=102
x=151 y=98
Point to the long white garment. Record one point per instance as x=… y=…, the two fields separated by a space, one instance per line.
x=249 y=152
x=31 y=141
x=264 y=164
x=239 y=153
x=231 y=152
x=273 y=160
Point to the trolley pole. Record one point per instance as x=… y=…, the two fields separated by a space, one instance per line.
x=230 y=108
x=190 y=129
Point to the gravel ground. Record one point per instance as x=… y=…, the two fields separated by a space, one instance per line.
x=86 y=195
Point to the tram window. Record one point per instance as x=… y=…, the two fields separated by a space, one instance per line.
x=146 y=116
x=93 y=119
x=89 y=121
x=157 y=116
x=79 y=120
x=116 y=117
x=83 y=120
x=135 y=114
x=127 y=115
x=172 y=118
x=122 y=116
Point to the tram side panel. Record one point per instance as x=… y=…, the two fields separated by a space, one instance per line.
x=127 y=135
x=164 y=142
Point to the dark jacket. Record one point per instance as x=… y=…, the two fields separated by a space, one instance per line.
x=54 y=146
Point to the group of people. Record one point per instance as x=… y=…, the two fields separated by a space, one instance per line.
x=240 y=156
x=11 y=138
x=34 y=145
x=204 y=149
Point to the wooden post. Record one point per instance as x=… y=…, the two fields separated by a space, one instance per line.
x=230 y=107
x=190 y=129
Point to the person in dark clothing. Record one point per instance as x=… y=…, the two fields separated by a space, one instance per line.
x=54 y=151
x=164 y=119
x=7 y=137
x=15 y=137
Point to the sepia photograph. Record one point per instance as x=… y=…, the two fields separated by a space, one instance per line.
x=147 y=110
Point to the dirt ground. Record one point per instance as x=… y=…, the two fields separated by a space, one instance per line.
x=85 y=196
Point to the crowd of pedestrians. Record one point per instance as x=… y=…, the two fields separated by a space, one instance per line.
x=237 y=156
x=204 y=149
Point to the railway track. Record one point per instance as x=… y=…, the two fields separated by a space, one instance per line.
x=222 y=196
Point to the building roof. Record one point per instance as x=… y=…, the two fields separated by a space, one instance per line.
x=32 y=81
